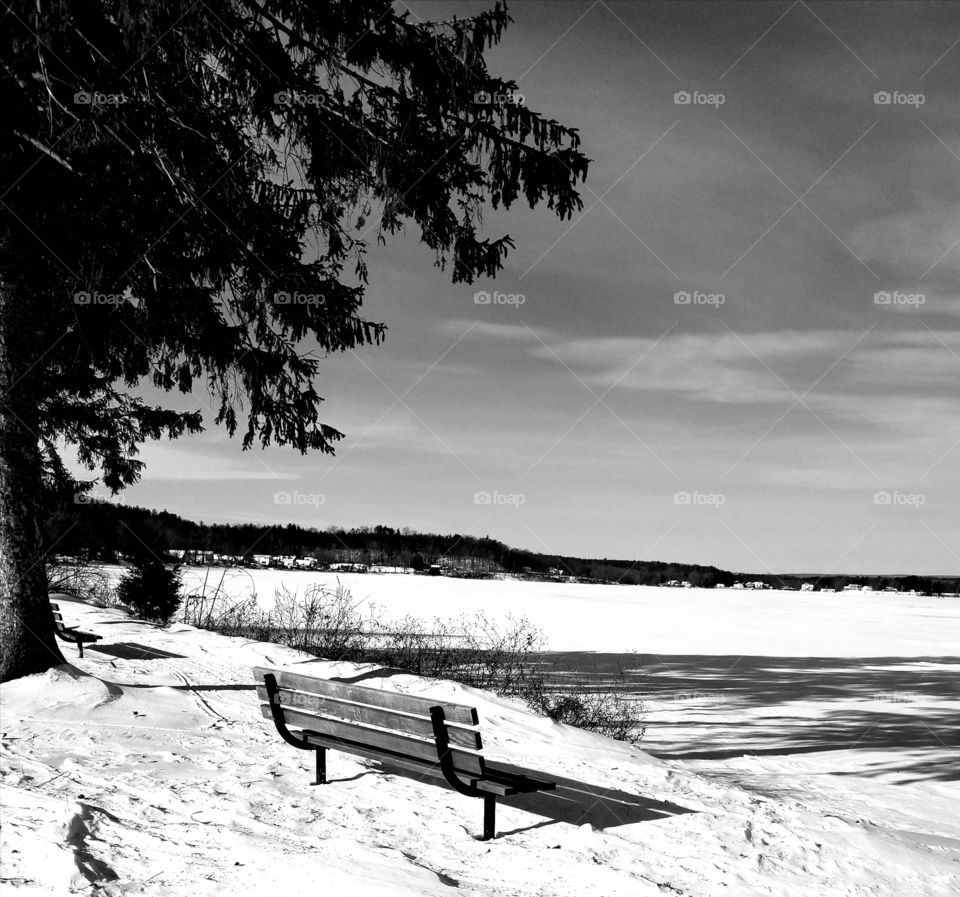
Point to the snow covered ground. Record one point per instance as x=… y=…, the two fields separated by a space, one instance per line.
x=807 y=746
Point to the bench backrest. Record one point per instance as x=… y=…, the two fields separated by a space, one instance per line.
x=351 y=717
x=57 y=616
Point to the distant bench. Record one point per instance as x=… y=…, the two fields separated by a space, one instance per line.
x=437 y=740
x=71 y=633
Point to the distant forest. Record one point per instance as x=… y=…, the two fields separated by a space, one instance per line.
x=105 y=531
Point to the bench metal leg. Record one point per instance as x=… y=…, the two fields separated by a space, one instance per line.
x=80 y=646
x=321 y=767
x=489 y=817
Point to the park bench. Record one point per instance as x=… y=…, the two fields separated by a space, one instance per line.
x=438 y=740
x=71 y=633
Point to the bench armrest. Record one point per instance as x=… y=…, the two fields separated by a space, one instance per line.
x=270 y=681
x=439 y=720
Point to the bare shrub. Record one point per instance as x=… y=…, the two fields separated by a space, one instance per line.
x=423 y=649
x=210 y=606
x=322 y=621
x=224 y=615
x=504 y=656
x=88 y=582
x=607 y=709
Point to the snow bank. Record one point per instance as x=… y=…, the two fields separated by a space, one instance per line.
x=145 y=768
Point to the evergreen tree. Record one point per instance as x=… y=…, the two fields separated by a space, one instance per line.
x=185 y=191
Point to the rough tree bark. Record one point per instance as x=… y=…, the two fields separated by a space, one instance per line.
x=27 y=641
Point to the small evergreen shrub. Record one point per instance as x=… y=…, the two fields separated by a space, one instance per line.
x=151 y=589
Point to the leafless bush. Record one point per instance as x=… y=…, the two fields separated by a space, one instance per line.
x=423 y=649
x=88 y=582
x=503 y=656
x=606 y=708
x=322 y=621
x=223 y=614
x=210 y=606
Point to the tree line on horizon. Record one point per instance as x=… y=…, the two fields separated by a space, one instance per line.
x=107 y=532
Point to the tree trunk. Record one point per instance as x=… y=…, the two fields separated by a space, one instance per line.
x=27 y=641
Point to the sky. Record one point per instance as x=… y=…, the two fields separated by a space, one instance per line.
x=745 y=349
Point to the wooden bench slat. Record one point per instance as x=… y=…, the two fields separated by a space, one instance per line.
x=412 y=764
x=408 y=724
x=516 y=784
x=372 y=697
x=395 y=743
x=492 y=787
x=420 y=767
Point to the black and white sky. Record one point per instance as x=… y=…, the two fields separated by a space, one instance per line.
x=743 y=351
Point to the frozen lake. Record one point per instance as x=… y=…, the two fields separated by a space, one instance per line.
x=646 y=619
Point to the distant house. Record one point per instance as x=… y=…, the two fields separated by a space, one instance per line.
x=389 y=568
x=687 y=585
x=348 y=568
x=435 y=570
x=807 y=587
x=261 y=560
x=719 y=585
x=738 y=585
x=305 y=563
x=852 y=587
x=198 y=556
x=673 y=584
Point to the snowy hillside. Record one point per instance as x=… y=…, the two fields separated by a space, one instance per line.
x=146 y=768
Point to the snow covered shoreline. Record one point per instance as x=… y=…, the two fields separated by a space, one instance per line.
x=146 y=769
